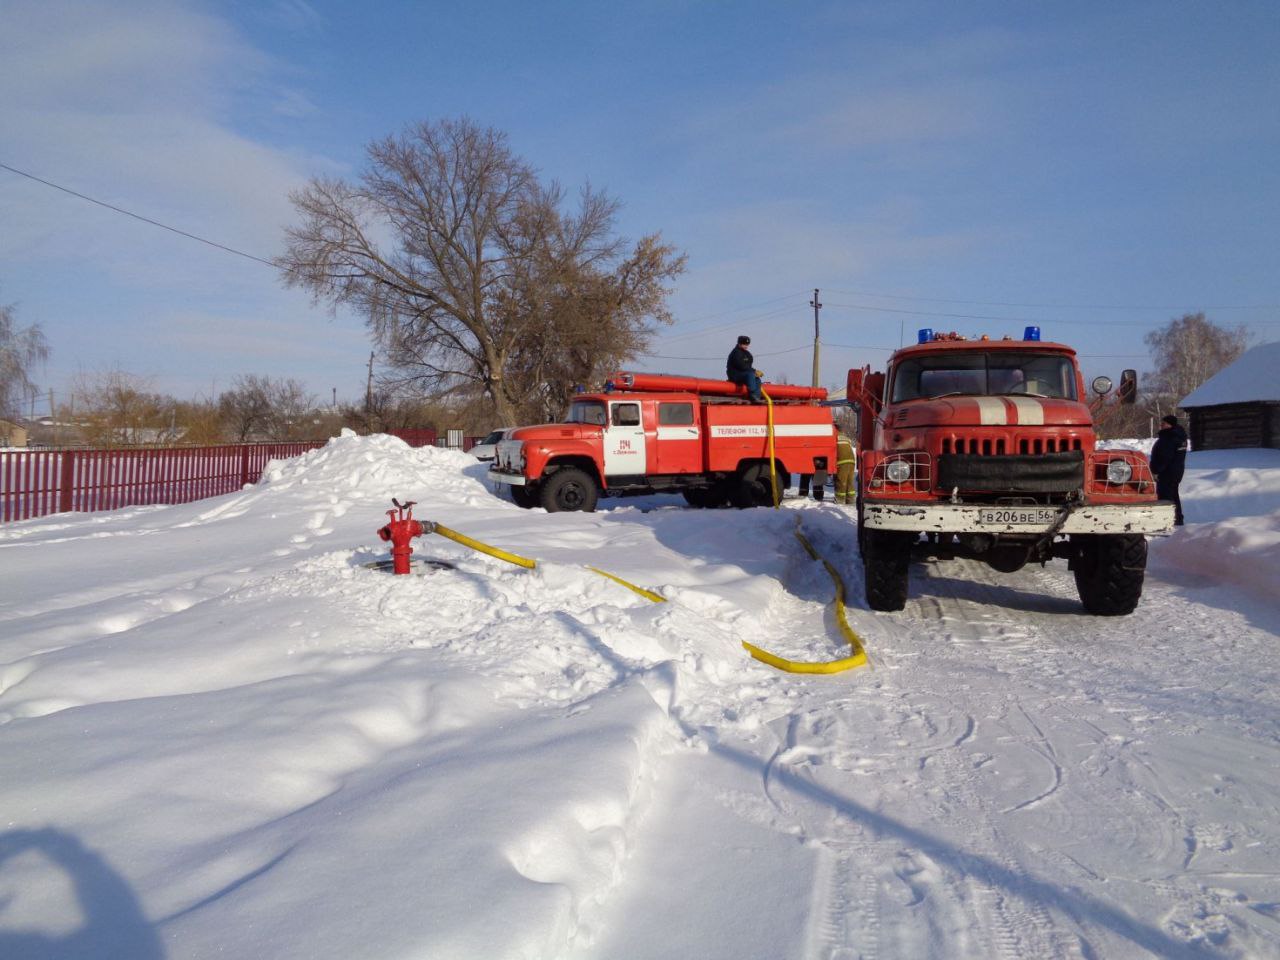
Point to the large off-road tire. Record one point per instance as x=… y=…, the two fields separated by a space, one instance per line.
x=886 y=559
x=524 y=497
x=1110 y=569
x=862 y=531
x=704 y=497
x=569 y=489
x=750 y=492
x=751 y=487
x=716 y=495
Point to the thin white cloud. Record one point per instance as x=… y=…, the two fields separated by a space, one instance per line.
x=132 y=103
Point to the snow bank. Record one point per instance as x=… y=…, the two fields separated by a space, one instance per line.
x=222 y=735
x=1231 y=499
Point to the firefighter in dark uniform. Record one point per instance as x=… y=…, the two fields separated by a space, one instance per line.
x=741 y=368
x=1168 y=460
x=846 y=461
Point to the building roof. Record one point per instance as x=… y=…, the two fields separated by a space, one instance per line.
x=1253 y=377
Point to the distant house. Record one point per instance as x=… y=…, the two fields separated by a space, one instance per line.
x=12 y=435
x=1240 y=405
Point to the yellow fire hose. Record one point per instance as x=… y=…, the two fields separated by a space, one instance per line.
x=773 y=463
x=857 y=659
x=519 y=561
x=466 y=541
x=647 y=594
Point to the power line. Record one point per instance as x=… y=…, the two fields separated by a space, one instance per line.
x=1036 y=320
x=868 y=346
x=749 y=306
x=136 y=216
x=1044 y=306
x=741 y=322
x=768 y=315
x=775 y=353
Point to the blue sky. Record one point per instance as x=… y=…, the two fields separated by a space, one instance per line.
x=1097 y=167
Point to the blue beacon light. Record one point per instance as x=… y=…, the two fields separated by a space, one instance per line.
x=1031 y=333
x=925 y=335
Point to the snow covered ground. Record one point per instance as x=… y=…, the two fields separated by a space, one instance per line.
x=222 y=735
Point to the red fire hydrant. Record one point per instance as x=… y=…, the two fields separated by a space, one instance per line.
x=399 y=532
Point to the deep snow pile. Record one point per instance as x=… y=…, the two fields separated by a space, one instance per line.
x=220 y=734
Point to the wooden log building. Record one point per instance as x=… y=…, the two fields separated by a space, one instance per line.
x=1240 y=405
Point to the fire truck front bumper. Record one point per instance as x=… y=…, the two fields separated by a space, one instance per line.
x=1151 y=517
x=512 y=479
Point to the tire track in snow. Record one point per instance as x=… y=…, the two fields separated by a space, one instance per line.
x=971 y=611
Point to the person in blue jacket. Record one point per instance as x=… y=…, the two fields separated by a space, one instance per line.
x=1168 y=461
x=741 y=368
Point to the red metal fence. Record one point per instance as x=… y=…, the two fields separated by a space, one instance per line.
x=34 y=483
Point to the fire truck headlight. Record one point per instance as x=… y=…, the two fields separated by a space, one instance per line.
x=1119 y=471
x=898 y=471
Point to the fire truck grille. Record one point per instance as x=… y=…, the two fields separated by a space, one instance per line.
x=1046 y=473
x=999 y=447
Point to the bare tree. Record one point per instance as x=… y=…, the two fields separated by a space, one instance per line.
x=1185 y=353
x=200 y=422
x=119 y=409
x=245 y=408
x=292 y=410
x=20 y=350
x=267 y=408
x=472 y=276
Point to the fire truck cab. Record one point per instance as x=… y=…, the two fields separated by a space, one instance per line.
x=986 y=449
x=649 y=433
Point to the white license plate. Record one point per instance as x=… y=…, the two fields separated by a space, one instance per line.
x=1019 y=516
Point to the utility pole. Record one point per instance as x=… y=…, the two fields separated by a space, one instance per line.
x=817 y=343
x=335 y=398
x=368 y=392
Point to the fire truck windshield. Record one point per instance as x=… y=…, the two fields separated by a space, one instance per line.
x=965 y=373
x=586 y=411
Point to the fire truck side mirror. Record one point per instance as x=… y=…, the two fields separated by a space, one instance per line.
x=1128 y=386
x=1101 y=386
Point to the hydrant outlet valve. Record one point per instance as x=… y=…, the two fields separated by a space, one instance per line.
x=401 y=529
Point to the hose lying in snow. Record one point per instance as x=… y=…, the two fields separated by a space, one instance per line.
x=466 y=541
x=647 y=594
x=859 y=657
x=525 y=562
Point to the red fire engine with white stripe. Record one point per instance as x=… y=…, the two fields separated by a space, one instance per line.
x=649 y=433
x=986 y=449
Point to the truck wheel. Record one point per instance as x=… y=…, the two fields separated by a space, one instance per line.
x=569 y=489
x=524 y=497
x=749 y=492
x=862 y=531
x=700 y=497
x=706 y=497
x=886 y=558
x=1109 y=573
x=751 y=487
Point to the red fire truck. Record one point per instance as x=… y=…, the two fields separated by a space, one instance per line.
x=648 y=433
x=986 y=449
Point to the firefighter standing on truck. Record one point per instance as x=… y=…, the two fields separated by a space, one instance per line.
x=846 y=462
